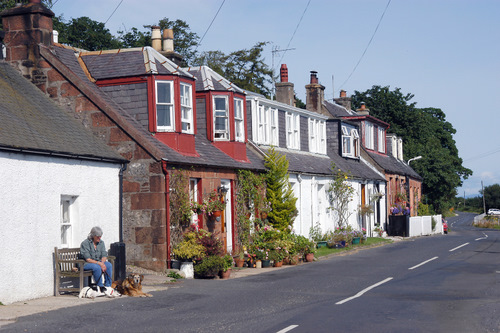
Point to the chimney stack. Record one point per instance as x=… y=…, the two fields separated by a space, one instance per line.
x=156 y=38
x=344 y=100
x=315 y=95
x=363 y=110
x=284 y=89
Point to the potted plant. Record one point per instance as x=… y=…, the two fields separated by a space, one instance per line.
x=208 y=267
x=309 y=251
x=227 y=263
x=214 y=204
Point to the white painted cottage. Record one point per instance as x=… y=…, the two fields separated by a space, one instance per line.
x=57 y=182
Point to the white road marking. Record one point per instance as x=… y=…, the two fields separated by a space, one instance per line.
x=423 y=263
x=289 y=328
x=364 y=291
x=459 y=247
x=485 y=236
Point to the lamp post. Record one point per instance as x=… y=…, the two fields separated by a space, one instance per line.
x=414 y=159
x=408 y=179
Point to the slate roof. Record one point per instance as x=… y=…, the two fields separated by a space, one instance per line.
x=208 y=79
x=338 y=110
x=31 y=122
x=392 y=165
x=210 y=155
x=114 y=64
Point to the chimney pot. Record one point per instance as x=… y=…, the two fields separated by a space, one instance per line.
x=168 y=40
x=283 y=73
x=343 y=93
x=156 y=37
x=35 y=1
x=314 y=77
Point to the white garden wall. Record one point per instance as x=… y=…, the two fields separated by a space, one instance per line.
x=422 y=225
x=30 y=200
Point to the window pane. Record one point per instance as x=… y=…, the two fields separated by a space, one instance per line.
x=163 y=90
x=163 y=115
x=220 y=103
x=220 y=124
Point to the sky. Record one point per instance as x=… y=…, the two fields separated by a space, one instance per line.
x=445 y=52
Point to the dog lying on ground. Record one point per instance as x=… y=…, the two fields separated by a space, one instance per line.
x=90 y=292
x=131 y=286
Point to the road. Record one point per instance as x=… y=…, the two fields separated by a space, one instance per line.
x=443 y=283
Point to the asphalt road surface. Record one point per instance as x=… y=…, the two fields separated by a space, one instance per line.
x=443 y=283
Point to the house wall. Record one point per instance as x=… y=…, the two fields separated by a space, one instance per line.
x=31 y=189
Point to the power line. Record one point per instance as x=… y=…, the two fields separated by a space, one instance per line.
x=488 y=153
x=199 y=43
x=293 y=35
x=367 y=46
x=113 y=12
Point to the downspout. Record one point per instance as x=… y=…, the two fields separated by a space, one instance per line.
x=120 y=215
x=167 y=208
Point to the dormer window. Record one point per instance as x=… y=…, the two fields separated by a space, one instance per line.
x=239 y=121
x=292 y=130
x=350 y=142
x=369 y=144
x=381 y=140
x=267 y=125
x=221 y=117
x=165 y=106
x=186 y=108
x=317 y=143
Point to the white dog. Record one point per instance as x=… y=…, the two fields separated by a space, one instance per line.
x=88 y=292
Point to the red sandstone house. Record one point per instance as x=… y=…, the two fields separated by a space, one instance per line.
x=158 y=116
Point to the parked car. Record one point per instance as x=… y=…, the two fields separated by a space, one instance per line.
x=493 y=211
x=445 y=226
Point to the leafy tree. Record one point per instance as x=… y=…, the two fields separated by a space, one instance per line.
x=278 y=191
x=491 y=196
x=341 y=194
x=134 y=38
x=245 y=68
x=424 y=132
x=185 y=41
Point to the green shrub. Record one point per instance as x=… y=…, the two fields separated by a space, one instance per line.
x=209 y=267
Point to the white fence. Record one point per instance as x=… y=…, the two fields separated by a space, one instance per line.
x=422 y=225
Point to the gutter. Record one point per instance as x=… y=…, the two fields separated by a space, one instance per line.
x=44 y=152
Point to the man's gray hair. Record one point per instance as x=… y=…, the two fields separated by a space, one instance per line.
x=96 y=231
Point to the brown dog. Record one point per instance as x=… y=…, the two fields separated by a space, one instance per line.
x=131 y=286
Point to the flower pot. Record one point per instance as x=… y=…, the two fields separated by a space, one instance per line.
x=355 y=240
x=239 y=262
x=258 y=264
x=175 y=264
x=187 y=269
x=263 y=215
x=216 y=213
x=310 y=257
x=226 y=274
x=278 y=263
x=266 y=263
x=321 y=244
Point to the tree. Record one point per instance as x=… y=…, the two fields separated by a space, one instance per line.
x=134 y=38
x=245 y=68
x=341 y=193
x=278 y=191
x=185 y=41
x=424 y=132
x=491 y=196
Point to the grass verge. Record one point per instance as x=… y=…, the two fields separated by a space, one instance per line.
x=370 y=241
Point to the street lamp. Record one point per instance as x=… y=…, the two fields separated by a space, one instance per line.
x=413 y=159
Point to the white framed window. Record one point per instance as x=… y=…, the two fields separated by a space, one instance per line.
x=193 y=196
x=350 y=142
x=187 y=108
x=317 y=134
x=221 y=118
x=381 y=140
x=369 y=135
x=165 y=106
x=68 y=220
x=263 y=124
x=239 y=120
x=292 y=130
x=274 y=127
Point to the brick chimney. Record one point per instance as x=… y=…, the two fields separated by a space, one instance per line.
x=363 y=110
x=344 y=100
x=315 y=94
x=284 y=89
x=26 y=27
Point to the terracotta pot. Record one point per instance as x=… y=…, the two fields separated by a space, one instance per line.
x=278 y=263
x=216 y=213
x=239 y=262
x=263 y=215
x=310 y=257
x=225 y=275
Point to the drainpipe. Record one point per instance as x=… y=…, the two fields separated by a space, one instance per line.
x=122 y=170
x=167 y=207
x=118 y=248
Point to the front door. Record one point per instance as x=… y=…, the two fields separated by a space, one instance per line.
x=227 y=227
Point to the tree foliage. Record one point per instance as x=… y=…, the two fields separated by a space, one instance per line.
x=425 y=132
x=245 y=68
x=278 y=191
x=491 y=196
x=340 y=193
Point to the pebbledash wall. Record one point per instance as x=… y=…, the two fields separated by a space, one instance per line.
x=30 y=197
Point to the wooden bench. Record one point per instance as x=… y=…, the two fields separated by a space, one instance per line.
x=69 y=265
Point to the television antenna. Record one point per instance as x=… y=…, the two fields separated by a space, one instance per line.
x=274 y=51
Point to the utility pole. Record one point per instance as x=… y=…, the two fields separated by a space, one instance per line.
x=484 y=203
